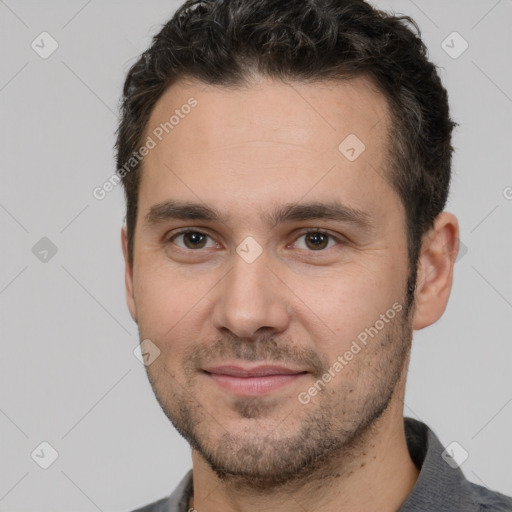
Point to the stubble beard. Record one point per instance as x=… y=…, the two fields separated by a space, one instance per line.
x=334 y=429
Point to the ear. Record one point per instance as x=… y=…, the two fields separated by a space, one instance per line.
x=128 y=274
x=439 y=251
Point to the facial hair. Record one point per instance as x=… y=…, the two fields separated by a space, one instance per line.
x=332 y=429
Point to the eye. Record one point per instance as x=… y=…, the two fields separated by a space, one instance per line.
x=192 y=240
x=315 y=241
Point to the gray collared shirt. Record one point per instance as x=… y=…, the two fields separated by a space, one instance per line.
x=439 y=488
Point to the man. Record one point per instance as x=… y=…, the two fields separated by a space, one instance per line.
x=286 y=165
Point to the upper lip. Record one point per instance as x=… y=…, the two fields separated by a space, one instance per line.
x=258 y=371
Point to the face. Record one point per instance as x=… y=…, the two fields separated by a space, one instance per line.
x=270 y=267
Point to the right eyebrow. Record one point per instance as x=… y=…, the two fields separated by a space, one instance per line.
x=183 y=210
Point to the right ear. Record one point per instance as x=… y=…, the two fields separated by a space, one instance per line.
x=128 y=275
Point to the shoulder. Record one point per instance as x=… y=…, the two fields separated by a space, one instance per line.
x=176 y=502
x=441 y=484
x=490 y=501
x=157 y=506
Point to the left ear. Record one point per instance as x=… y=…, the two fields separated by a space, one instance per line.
x=439 y=251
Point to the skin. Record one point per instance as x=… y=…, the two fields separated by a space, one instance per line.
x=246 y=151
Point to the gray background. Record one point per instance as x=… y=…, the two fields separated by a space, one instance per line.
x=68 y=372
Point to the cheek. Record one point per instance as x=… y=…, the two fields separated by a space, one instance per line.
x=339 y=307
x=167 y=306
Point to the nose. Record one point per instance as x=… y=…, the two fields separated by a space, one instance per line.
x=251 y=297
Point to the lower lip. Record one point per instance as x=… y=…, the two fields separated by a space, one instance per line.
x=253 y=386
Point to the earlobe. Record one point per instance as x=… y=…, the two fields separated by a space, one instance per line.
x=435 y=270
x=128 y=275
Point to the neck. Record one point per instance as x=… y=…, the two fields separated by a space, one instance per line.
x=377 y=474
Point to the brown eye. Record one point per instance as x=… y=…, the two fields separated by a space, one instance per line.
x=192 y=240
x=316 y=241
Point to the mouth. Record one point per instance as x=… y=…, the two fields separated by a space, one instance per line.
x=255 y=381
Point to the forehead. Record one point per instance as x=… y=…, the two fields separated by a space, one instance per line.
x=320 y=139
x=313 y=115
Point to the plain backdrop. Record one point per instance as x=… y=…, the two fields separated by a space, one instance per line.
x=69 y=376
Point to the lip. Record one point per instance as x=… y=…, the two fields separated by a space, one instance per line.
x=258 y=380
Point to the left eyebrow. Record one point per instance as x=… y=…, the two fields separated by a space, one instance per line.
x=333 y=210
x=290 y=212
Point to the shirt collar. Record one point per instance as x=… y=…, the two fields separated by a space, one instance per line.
x=440 y=486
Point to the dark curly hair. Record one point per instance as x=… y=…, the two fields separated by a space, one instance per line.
x=229 y=42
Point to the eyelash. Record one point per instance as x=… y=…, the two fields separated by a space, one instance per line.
x=185 y=231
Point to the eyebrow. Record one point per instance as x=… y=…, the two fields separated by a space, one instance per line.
x=289 y=212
